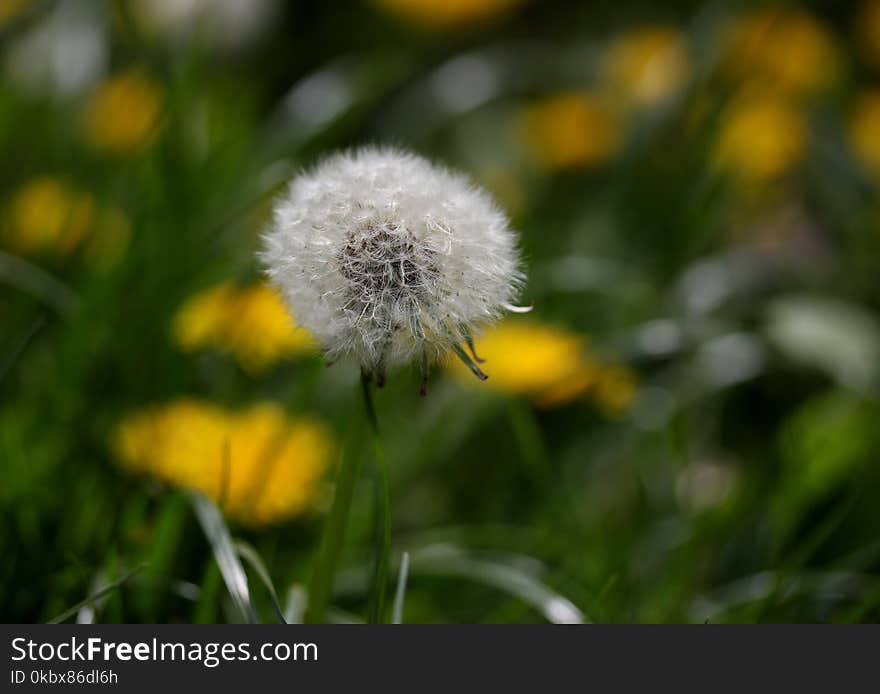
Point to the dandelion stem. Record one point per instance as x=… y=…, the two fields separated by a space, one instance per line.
x=527 y=435
x=376 y=614
x=323 y=575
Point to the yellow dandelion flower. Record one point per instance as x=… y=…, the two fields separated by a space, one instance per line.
x=570 y=130
x=447 y=13
x=784 y=49
x=864 y=130
x=868 y=31
x=250 y=323
x=10 y=9
x=528 y=357
x=257 y=464
x=762 y=138
x=646 y=66
x=48 y=215
x=549 y=364
x=122 y=115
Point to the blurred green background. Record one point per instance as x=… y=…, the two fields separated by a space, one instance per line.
x=685 y=428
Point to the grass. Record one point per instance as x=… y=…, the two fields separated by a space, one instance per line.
x=738 y=485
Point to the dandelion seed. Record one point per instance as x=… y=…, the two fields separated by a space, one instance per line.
x=389 y=259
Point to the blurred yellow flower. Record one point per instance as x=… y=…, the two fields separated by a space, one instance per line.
x=528 y=357
x=257 y=464
x=10 y=9
x=250 y=323
x=123 y=113
x=646 y=66
x=48 y=215
x=783 y=49
x=447 y=13
x=864 y=130
x=547 y=363
x=571 y=130
x=868 y=31
x=762 y=138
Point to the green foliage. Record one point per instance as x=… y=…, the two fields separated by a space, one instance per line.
x=739 y=484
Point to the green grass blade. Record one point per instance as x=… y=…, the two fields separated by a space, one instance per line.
x=295 y=605
x=97 y=595
x=397 y=611
x=527 y=434
x=33 y=280
x=252 y=557
x=324 y=572
x=376 y=612
x=224 y=552
x=447 y=560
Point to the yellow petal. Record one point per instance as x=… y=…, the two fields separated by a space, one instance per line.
x=259 y=465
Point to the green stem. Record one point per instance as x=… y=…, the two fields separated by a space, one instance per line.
x=324 y=573
x=376 y=614
x=527 y=433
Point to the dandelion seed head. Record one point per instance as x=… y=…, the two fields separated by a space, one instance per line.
x=388 y=258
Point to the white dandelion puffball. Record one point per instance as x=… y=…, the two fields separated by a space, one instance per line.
x=388 y=258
